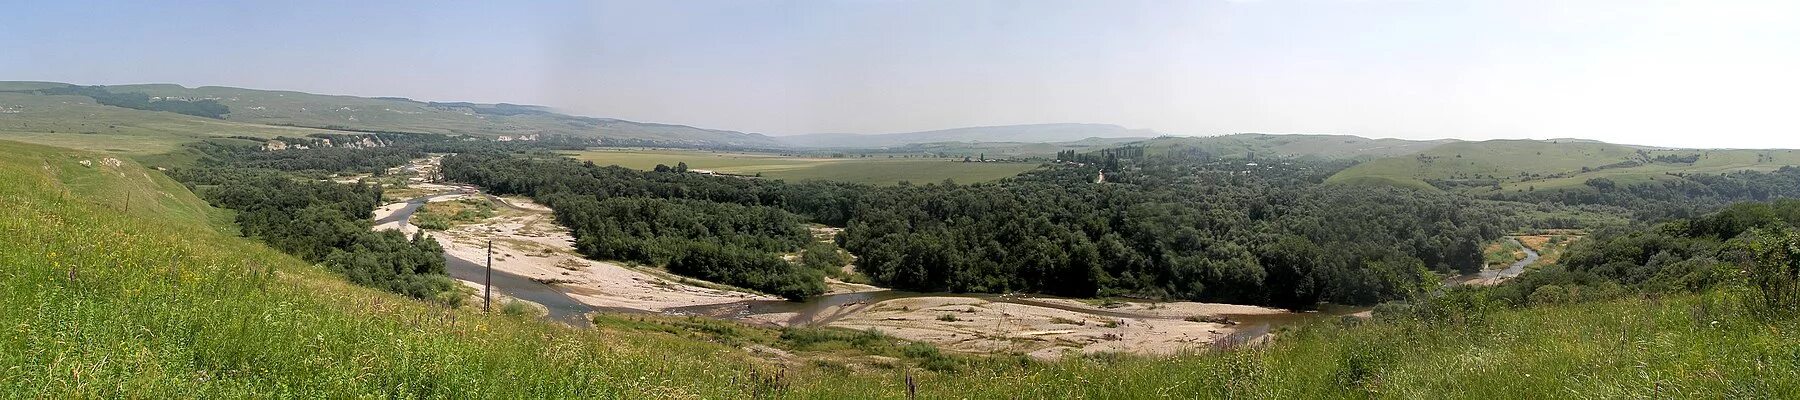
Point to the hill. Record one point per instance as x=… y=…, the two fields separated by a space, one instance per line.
x=1531 y=165
x=868 y=170
x=1036 y=133
x=78 y=122
x=265 y=110
x=1251 y=145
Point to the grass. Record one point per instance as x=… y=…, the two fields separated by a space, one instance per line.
x=1503 y=252
x=1528 y=165
x=104 y=303
x=878 y=170
x=1265 y=146
x=76 y=122
x=255 y=111
x=444 y=215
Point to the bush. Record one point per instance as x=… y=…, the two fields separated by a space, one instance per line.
x=516 y=308
x=1772 y=259
x=1549 y=295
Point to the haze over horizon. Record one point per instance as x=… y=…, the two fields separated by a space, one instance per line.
x=1666 y=73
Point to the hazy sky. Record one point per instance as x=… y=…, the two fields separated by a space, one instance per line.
x=1679 y=73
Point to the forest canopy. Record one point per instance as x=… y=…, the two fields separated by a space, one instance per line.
x=1175 y=229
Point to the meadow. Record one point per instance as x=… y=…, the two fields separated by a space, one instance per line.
x=110 y=303
x=1530 y=165
x=875 y=169
x=77 y=122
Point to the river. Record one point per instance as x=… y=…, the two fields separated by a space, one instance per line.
x=819 y=310
x=561 y=307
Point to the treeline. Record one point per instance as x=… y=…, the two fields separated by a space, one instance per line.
x=1106 y=158
x=1163 y=230
x=1169 y=231
x=319 y=221
x=241 y=154
x=703 y=227
x=1677 y=196
x=140 y=101
x=1754 y=245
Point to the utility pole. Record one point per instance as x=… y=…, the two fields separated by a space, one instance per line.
x=487 y=292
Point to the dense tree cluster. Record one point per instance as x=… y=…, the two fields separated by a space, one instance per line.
x=705 y=227
x=322 y=221
x=1106 y=158
x=1676 y=196
x=1172 y=230
x=1688 y=254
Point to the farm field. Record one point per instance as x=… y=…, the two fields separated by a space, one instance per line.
x=872 y=170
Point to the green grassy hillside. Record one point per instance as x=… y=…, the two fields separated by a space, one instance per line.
x=876 y=170
x=1526 y=165
x=1274 y=146
x=79 y=123
x=115 y=183
x=267 y=109
x=115 y=305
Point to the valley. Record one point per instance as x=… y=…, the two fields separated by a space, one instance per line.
x=1307 y=266
x=855 y=168
x=534 y=263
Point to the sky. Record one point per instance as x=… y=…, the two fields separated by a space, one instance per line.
x=1714 y=73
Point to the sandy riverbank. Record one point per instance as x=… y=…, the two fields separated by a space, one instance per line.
x=528 y=242
x=978 y=325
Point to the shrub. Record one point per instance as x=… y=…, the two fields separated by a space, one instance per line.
x=516 y=308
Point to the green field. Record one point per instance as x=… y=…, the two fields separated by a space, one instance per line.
x=1248 y=145
x=1525 y=165
x=262 y=110
x=77 y=122
x=878 y=170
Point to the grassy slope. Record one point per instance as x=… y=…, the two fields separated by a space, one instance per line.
x=1002 y=149
x=1506 y=160
x=77 y=122
x=267 y=113
x=109 y=305
x=128 y=188
x=872 y=170
x=1265 y=145
x=400 y=115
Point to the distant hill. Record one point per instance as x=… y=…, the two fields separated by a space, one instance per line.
x=1528 y=165
x=1248 y=145
x=1000 y=149
x=1036 y=133
x=329 y=112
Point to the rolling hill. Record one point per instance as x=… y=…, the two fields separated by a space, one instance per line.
x=1559 y=164
x=271 y=113
x=1035 y=133
x=1250 y=145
